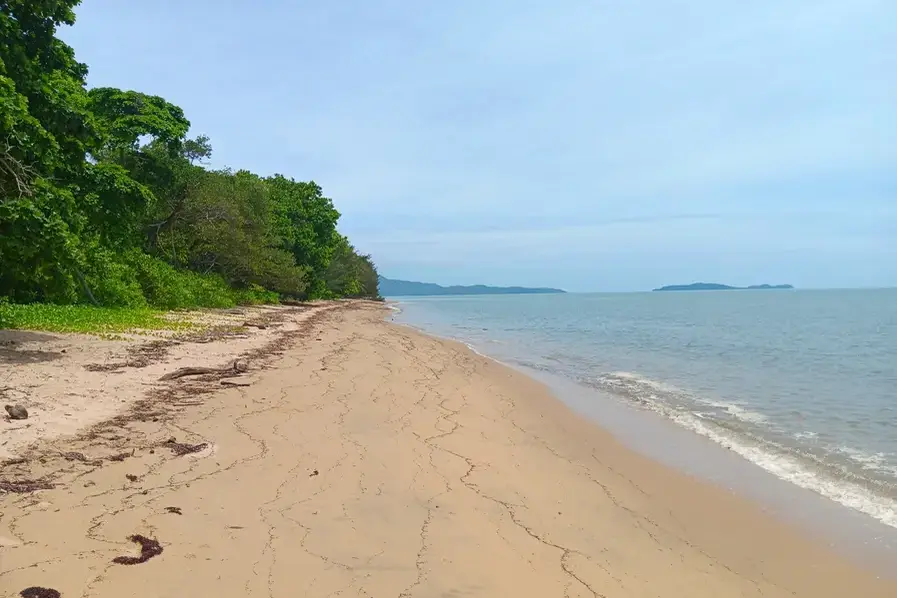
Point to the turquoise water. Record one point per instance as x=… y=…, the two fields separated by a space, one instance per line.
x=801 y=383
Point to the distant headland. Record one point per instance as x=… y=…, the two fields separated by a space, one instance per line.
x=712 y=286
x=405 y=288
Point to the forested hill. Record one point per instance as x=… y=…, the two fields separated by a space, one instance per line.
x=405 y=288
x=105 y=197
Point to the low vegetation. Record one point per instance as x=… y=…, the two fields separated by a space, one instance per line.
x=106 y=201
x=83 y=318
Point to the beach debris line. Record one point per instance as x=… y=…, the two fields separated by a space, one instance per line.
x=148 y=549
x=121 y=456
x=76 y=456
x=24 y=486
x=16 y=411
x=235 y=368
x=39 y=592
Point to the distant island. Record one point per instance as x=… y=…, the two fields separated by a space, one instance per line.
x=712 y=286
x=404 y=288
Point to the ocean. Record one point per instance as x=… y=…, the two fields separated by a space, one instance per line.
x=801 y=383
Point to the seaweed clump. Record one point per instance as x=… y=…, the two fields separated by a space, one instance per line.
x=24 y=486
x=148 y=549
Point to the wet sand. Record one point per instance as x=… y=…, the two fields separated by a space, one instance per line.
x=366 y=459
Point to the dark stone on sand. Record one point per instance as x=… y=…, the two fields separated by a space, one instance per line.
x=16 y=412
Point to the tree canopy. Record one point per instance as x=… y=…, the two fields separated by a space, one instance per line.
x=105 y=199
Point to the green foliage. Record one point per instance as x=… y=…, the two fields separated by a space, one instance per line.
x=105 y=200
x=255 y=295
x=305 y=221
x=126 y=116
x=111 y=281
x=5 y=317
x=166 y=287
x=226 y=227
x=351 y=274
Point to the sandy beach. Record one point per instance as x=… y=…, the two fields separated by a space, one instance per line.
x=347 y=456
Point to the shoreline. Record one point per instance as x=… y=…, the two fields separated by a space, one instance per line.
x=868 y=528
x=364 y=456
x=851 y=533
x=854 y=534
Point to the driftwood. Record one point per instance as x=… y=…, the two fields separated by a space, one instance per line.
x=227 y=382
x=236 y=368
x=188 y=372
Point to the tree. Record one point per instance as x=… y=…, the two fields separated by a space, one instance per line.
x=351 y=274
x=225 y=225
x=45 y=131
x=104 y=198
x=306 y=221
x=128 y=118
x=142 y=145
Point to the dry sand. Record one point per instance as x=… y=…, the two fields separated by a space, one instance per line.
x=365 y=459
x=72 y=381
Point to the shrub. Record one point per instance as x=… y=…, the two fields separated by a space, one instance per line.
x=255 y=295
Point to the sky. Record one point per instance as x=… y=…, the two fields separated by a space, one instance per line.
x=591 y=145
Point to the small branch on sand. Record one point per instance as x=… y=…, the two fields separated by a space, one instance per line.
x=189 y=372
x=227 y=382
x=236 y=368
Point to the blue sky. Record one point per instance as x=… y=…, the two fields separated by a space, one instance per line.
x=590 y=145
